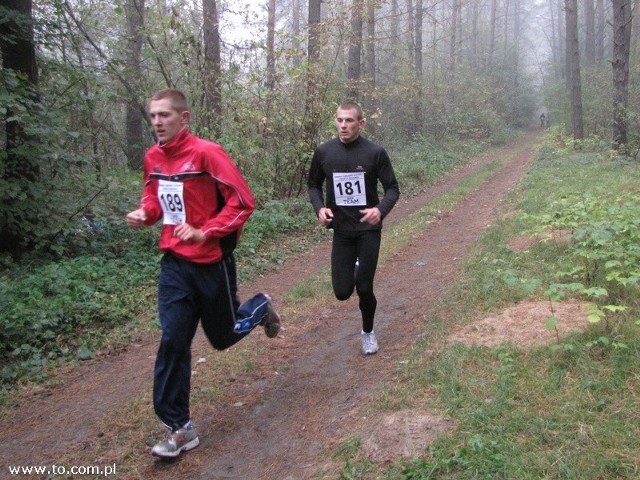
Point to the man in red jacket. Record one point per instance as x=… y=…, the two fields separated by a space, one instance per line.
x=193 y=187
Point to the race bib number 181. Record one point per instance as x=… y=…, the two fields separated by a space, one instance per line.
x=171 y=199
x=349 y=189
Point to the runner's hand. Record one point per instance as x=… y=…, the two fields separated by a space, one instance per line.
x=372 y=216
x=136 y=218
x=188 y=234
x=325 y=216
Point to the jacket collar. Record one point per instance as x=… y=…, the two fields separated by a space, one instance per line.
x=177 y=143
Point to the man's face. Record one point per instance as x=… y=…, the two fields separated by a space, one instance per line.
x=166 y=121
x=348 y=125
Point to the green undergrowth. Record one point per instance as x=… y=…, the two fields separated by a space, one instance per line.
x=53 y=312
x=568 y=410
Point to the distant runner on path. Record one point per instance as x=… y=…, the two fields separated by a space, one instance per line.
x=351 y=167
x=194 y=188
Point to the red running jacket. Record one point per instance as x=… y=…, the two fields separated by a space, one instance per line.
x=211 y=195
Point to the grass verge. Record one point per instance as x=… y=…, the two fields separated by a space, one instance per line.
x=564 y=411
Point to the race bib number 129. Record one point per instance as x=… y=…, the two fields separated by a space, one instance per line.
x=171 y=199
x=349 y=189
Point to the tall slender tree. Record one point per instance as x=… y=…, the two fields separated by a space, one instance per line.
x=517 y=34
x=635 y=26
x=601 y=25
x=271 y=47
x=296 y=30
x=492 y=32
x=212 y=67
x=394 y=28
x=135 y=23
x=354 y=65
x=417 y=62
x=312 y=108
x=411 y=30
x=370 y=64
x=417 y=47
x=475 y=19
x=589 y=33
x=573 y=56
x=19 y=170
x=505 y=34
x=620 y=65
x=453 y=39
x=555 y=41
x=562 y=40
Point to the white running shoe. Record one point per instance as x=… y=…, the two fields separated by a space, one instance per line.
x=181 y=440
x=369 y=343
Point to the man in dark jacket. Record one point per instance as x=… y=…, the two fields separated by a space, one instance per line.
x=350 y=167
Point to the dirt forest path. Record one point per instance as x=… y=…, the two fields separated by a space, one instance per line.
x=281 y=425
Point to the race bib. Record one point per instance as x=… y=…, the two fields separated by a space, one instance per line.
x=171 y=199
x=349 y=189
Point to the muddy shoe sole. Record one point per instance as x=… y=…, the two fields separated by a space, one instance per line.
x=272 y=323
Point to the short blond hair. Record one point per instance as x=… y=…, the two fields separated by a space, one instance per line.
x=351 y=105
x=176 y=97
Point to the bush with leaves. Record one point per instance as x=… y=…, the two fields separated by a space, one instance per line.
x=603 y=250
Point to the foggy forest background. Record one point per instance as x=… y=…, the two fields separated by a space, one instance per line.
x=264 y=78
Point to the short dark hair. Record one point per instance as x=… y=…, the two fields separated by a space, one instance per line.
x=176 y=97
x=351 y=105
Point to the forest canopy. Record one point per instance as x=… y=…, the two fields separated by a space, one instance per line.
x=263 y=78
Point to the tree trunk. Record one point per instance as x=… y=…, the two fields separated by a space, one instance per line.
x=355 y=51
x=418 y=70
x=19 y=217
x=516 y=43
x=562 y=40
x=19 y=55
x=554 y=47
x=135 y=143
x=212 y=68
x=453 y=52
x=271 y=53
x=475 y=14
x=601 y=25
x=573 y=54
x=589 y=33
x=505 y=35
x=620 y=66
x=492 y=33
x=312 y=102
x=635 y=27
x=394 y=28
x=313 y=43
x=411 y=30
x=434 y=25
x=417 y=48
x=295 y=30
x=370 y=63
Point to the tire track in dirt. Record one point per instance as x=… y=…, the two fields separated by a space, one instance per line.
x=293 y=418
